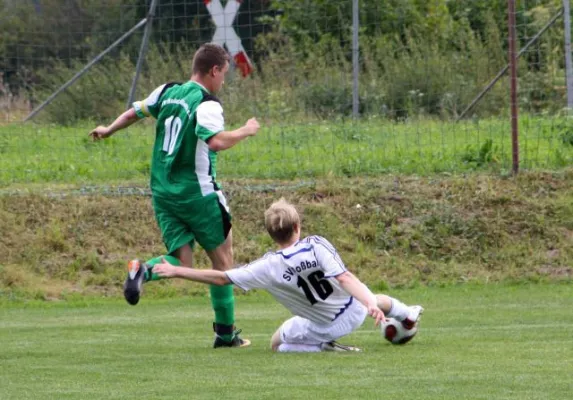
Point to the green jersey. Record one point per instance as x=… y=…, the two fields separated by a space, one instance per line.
x=183 y=166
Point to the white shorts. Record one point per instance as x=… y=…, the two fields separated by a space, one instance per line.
x=298 y=330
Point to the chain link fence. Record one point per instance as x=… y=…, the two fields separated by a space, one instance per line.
x=341 y=87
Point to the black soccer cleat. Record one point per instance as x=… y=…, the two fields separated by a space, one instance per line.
x=236 y=340
x=132 y=286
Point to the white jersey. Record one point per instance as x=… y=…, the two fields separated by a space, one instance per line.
x=300 y=277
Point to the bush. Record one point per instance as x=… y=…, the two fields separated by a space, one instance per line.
x=103 y=91
x=486 y=154
x=301 y=76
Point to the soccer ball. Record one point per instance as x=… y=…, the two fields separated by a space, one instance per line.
x=394 y=332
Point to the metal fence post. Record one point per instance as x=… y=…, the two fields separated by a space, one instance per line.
x=142 y=51
x=355 y=58
x=568 y=61
x=513 y=85
x=501 y=73
x=84 y=70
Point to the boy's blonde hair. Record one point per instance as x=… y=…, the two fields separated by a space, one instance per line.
x=281 y=219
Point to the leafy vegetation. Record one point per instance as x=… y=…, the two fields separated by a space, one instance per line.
x=418 y=58
x=393 y=231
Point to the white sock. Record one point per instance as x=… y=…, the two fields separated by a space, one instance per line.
x=299 y=348
x=399 y=310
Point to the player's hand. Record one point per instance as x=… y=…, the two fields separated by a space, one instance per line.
x=377 y=314
x=101 y=132
x=252 y=126
x=165 y=269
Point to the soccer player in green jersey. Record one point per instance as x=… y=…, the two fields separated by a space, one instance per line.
x=187 y=200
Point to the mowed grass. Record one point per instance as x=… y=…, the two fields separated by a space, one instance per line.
x=43 y=153
x=475 y=342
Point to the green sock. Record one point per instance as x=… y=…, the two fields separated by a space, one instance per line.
x=149 y=275
x=223 y=302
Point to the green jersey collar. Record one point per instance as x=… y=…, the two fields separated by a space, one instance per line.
x=201 y=86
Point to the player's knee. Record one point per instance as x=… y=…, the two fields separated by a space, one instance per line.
x=275 y=346
x=226 y=261
x=185 y=255
x=222 y=258
x=275 y=341
x=384 y=302
x=229 y=259
x=224 y=264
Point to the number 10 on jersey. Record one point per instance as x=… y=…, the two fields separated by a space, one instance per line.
x=172 y=128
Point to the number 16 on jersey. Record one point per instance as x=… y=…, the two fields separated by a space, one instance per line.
x=320 y=285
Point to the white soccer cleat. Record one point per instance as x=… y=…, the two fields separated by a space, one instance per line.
x=334 y=346
x=414 y=315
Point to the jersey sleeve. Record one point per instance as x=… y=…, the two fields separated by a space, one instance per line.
x=252 y=276
x=210 y=119
x=150 y=106
x=328 y=257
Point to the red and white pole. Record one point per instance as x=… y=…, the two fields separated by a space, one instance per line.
x=225 y=33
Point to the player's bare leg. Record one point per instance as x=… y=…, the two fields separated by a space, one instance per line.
x=222 y=256
x=185 y=256
x=276 y=340
x=223 y=299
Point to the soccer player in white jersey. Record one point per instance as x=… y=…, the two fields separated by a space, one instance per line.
x=308 y=277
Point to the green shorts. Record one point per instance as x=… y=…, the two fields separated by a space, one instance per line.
x=203 y=219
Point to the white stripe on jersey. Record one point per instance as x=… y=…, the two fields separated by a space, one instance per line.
x=142 y=107
x=202 y=163
x=223 y=200
x=322 y=242
x=210 y=116
x=301 y=278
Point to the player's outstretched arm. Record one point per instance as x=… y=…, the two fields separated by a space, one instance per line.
x=357 y=289
x=209 y=276
x=226 y=139
x=123 y=121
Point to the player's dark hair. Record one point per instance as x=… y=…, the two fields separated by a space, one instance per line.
x=209 y=55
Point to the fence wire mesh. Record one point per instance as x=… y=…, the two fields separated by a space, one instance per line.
x=420 y=65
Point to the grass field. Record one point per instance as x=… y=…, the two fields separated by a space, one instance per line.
x=428 y=234
x=39 y=154
x=475 y=342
